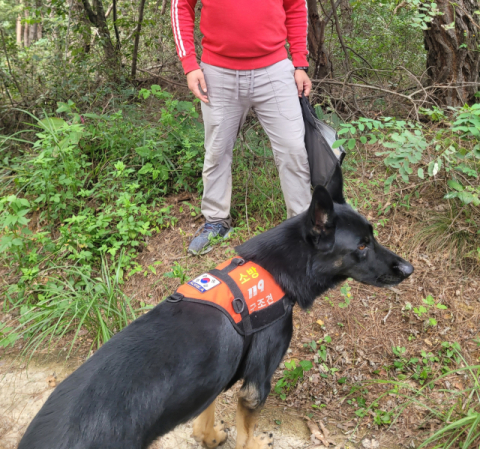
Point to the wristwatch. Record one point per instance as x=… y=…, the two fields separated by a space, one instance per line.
x=301 y=68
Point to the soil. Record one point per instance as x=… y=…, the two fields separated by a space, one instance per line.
x=358 y=356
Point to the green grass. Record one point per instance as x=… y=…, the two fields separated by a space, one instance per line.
x=65 y=305
x=458 y=410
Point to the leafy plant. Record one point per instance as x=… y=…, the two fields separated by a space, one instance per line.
x=454 y=149
x=58 y=307
x=178 y=272
x=291 y=375
x=420 y=311
x=345 y=292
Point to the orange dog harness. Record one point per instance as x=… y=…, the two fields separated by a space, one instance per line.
x=244 y=291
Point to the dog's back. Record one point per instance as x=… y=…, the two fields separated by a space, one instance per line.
x=142 y=383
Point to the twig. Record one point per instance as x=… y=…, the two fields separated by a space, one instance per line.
x=109 y=10
x=466 y=13
x=158 y=66
x=69 y=4
x=388 y=314
x=162 y=78
x=401 y=4
x=339 y=33
x=330 y=14
x=6 y=89
x=366 y=86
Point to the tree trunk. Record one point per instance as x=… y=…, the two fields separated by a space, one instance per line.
x=137 y=38
x=19 y=30
x=316 y=41
x=452 y=55
x=26 y=32
x=83 y=26
x=37 y=26
x=96 y=15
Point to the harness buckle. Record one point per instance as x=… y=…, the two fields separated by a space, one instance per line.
x=238 y=305
x=176 y=297
x=238 y=261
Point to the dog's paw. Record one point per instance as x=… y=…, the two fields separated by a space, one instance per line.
x=263 y=441
x=216 y=437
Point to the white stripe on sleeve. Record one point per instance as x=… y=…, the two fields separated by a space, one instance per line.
x=182 y=51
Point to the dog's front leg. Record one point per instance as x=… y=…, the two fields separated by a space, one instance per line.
x=247 y=414
x=205 y=431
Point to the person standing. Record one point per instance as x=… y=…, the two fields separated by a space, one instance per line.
x=245 y=65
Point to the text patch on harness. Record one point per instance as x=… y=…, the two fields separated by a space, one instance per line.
x=244 y=291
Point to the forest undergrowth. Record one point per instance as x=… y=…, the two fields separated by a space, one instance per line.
x=97 y=209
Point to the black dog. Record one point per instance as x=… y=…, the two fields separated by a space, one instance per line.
x=169 y=365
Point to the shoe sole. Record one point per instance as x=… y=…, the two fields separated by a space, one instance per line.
x=207 y=249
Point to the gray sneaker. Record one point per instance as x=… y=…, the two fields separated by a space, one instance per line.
x=201 y=244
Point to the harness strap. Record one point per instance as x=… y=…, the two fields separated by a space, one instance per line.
x=235 y=262
x=239 y=303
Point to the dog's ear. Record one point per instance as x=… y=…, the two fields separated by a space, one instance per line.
x=335 y=186
x=321 y=220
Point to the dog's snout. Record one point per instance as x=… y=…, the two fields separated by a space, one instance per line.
x=405 y=268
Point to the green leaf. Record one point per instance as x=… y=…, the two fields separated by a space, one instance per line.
x=52 y=123
x=455 y=185
x=421 y=175
x=338 y=143
x=144 y=152
x=351 y=144
x=429 y=300
x=147 y=168
x=363 y=139
x=306 y=365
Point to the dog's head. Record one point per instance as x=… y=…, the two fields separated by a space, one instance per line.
x=325 y=245
x=344 y=239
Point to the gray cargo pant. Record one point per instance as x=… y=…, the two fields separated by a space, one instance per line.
x=272 y=93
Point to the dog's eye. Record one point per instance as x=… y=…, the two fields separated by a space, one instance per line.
x=362 y=247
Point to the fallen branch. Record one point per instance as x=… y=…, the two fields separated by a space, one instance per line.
x=162 y=78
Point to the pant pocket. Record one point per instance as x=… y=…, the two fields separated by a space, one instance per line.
x=282 y=77
x=213 y=111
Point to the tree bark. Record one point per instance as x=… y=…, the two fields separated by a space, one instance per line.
x=452 y=55
x=96 y=16
x=137 y=38
x=316 y=41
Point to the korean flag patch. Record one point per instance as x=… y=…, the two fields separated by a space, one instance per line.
x=204 y=282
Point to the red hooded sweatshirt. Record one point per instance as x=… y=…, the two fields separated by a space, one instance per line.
x=242 y=34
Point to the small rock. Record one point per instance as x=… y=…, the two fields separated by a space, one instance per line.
x=52 y=381
x=370 y=444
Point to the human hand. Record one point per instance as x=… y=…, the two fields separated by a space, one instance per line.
x=303 y=82
x=194 y=79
